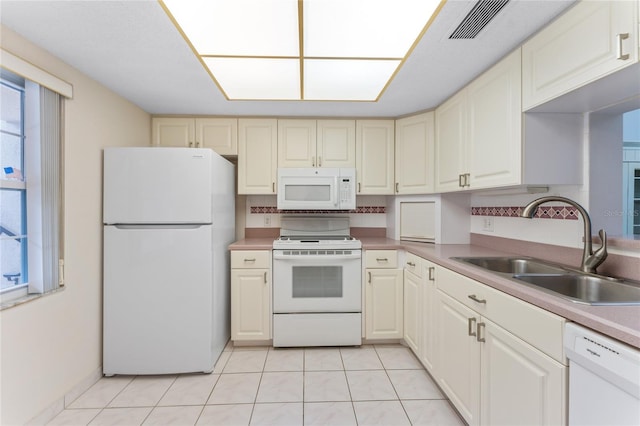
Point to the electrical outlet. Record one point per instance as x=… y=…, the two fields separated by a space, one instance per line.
x=487 y=224
x=267 y=220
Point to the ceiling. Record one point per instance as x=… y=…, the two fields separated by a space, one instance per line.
x=134 y=49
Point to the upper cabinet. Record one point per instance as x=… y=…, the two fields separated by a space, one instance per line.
x=593 y=39
x=219 y=134
x=375 y=157
x=478 y=131
x=316 y=143
x=414 y=153
x=257 y=156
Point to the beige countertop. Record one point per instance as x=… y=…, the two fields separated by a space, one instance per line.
x=619 y=322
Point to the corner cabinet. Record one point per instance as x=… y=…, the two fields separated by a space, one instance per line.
x=488 y=342
x=250 y=295
x=591 y=40
x=383 y=290
x=414 y=154
x=479 y=131
x=219 y=134
x=375 y=157
x=257 y=156
x=316 y=143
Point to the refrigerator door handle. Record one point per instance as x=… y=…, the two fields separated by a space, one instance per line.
x=169 y=226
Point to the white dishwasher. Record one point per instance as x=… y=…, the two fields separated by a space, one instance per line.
x=604 y=379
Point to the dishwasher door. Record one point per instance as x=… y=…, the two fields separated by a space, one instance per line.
x=604 y=379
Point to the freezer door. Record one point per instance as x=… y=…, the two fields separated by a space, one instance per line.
x=158 y=300
x=157 y=185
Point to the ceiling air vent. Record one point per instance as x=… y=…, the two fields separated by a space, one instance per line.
x=481 y=14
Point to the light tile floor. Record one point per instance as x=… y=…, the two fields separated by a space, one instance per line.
x=368 y=385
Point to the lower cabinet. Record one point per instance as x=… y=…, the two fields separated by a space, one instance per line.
x=250 y=295
x=383 y=301
x=492 y=376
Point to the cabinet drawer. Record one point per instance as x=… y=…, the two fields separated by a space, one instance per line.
x=250 y=259
x=414 y=264
x=381 y=259
x=534 y=325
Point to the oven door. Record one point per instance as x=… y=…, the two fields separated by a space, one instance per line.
x=317 y=281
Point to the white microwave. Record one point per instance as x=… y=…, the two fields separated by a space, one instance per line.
x=316 y=188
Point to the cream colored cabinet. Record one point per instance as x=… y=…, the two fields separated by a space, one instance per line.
x=412 y=309
x=427 y=344
x=591 y=40
x=316 y=143
x=375 y=157
x=414 y=154
x=257 y=156
x=488 y=341
x=479 y=131
x=383 y=294
x=219 y=134
x=250 y=295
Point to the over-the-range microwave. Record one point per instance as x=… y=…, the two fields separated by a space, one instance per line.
x=316 y=188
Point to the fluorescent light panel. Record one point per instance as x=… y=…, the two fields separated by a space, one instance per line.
x=351 y=48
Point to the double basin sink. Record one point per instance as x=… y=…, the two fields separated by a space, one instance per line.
x=574 y=285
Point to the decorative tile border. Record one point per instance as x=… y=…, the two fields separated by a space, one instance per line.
x=544 y=212
x=358 y=210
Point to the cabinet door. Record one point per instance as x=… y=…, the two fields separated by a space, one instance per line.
x=458 y=358
x=250 y=304
x=173 y=131
x=336 y=143
x=494 y=130
x=450 y=143
x=520 y=385
x=375 y=156
x=579 y=47
x=414 y=154
x=219 y=134
x=413 y=288
x=383 y=304
x=257 y=156
x=297 y=143
x=426 y=351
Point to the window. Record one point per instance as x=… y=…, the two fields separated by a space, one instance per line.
x=30 y=187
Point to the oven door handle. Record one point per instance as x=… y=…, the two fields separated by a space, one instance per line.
x=316 y=258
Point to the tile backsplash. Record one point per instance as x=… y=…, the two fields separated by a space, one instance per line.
x=544 y=212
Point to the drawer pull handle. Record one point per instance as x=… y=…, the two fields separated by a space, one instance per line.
x=472 y=321
x=475 y=299
x=382 y=259
x=250 y=260
x=411 y=264
x=479 y=327
x=619 y=38
x=265 y=277
x=369 y=280
x=431 y=272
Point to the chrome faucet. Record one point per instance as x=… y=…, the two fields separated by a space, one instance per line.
x=590 y=260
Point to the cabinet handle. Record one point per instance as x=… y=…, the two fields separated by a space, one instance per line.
x=431 y=271
x=320 y=161
x=358 y=186
x=250 y=260
x=619 y=38
x=397 y=187
x=411 y=264
x=369 y=275
x=382 y=259
x=313 y=161
x=265 y=277
x=197 y=144
x=273 y=187
x=461 y=181
x=475 y=299
x=471 y=322
x=190 y=144
x=479 y=327
x=467 y=179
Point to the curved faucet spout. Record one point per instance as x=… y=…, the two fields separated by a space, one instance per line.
x=590 y=260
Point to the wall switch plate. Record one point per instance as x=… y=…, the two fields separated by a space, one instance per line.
x=487 y=224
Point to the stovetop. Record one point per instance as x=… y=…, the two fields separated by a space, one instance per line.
x=315 y=232
x=311 y=242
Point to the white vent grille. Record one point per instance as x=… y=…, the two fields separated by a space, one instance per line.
x=481 y=14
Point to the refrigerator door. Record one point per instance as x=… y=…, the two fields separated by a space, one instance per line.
x=157 y=185
x=158 y=305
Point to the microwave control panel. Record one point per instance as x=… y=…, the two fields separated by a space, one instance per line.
x=346 y=196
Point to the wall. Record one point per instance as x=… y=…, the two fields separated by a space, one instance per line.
x=52 y=344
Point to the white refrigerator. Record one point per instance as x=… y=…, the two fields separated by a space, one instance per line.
x=169 y=216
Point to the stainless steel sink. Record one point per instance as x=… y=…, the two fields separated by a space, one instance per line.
x=513 y=265
x=588 y=289
x=572 y=284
